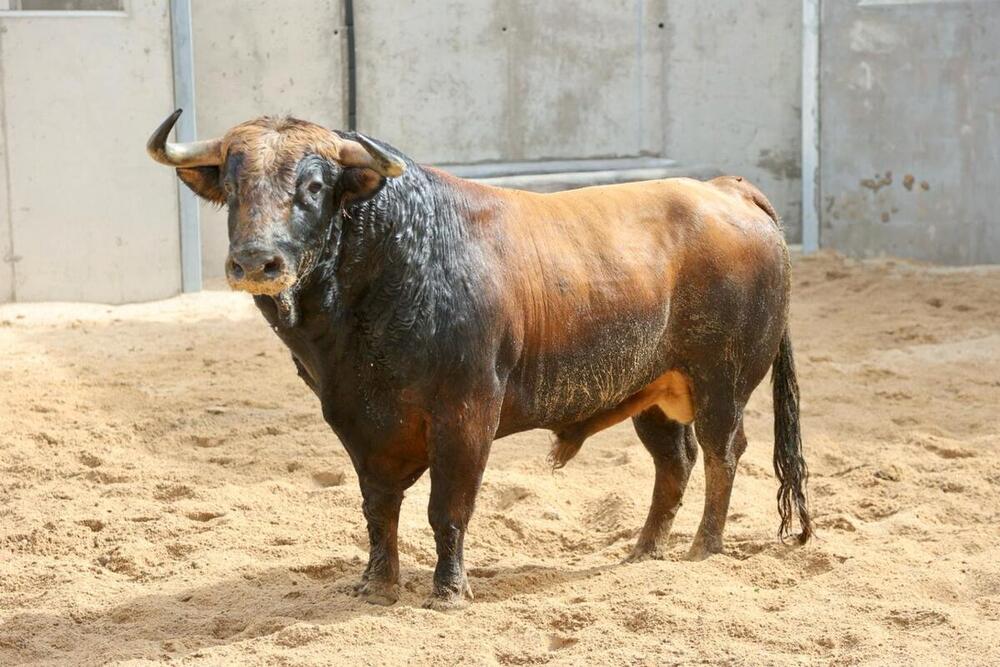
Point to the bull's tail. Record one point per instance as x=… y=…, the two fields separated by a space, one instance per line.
x=789 y=465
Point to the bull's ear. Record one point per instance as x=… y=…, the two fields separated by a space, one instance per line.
x=357 y=184
x=206 y=182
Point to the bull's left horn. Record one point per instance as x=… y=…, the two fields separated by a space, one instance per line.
x=366 y=153
x=194 y=154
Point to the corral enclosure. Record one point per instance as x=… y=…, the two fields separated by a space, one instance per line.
x=904 y=164
x=170 y=492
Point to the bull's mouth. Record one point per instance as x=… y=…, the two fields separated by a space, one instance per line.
x=282 y=290
x=271 y=287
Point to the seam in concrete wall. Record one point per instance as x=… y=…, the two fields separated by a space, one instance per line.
x=639 y=74
x=352 y=66
x=11 y=259
x=810 y=125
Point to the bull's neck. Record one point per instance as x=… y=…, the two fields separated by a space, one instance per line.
x=401 y=274
x=389 y=257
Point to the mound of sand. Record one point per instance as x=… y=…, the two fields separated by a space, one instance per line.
x=168 y=490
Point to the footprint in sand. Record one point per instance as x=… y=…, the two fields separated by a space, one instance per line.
x=841 y=522
x=916 y=618
x=559 y=642
x=949 y=452
x=327 y=478
x=572 y=620
x=509 y=496
x=822 y=563
x=322 y=570
x=172 y=492
x=297 y=635
x=483 y=572
x=207 y=441
x=102 y=477
x=179 y=550
x=89 y=460
x=874 y=509
x=96 y=525
x=607 y=514
x=224 y=627
x=617 y=458
x=224 y=461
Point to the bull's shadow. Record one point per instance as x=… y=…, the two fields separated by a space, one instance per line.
x=183 y=623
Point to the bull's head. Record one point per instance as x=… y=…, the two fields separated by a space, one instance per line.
x=283 y=181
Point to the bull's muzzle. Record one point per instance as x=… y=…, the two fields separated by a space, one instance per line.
x=258 y=270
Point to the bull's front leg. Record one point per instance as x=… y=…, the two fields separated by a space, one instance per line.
x=458 y=457
x=380 y=581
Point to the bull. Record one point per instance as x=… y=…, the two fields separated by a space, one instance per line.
x=433 y=315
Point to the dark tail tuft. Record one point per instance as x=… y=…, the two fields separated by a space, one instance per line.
x=789 y=465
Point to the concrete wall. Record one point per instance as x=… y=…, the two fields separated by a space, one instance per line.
x=85 y=215
x=474 y=81
x=910 y=138
x=467 y=81
x=731 y=93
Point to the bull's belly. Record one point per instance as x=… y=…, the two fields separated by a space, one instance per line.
x=555 y=387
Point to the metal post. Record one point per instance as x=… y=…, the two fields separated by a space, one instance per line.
x=352 y=67
x=810 y=125
x=183 y=51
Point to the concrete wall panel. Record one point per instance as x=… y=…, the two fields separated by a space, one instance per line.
x=910 y=138
x=576 y=82
x=486 y=80
x=93 y=218
x=266 y=58
x=732 y=93
x=433 y=78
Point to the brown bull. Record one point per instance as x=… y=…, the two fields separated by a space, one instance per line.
x=433 y=315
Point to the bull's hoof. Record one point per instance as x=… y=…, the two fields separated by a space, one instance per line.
x=450 y=600
x=642 y=553
x=701 y=551
x=381 y=593
x=446 y=603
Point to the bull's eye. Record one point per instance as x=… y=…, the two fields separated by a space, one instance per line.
x=315 y=187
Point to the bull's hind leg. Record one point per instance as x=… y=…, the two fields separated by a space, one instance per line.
x=674 y=450
x=719 y=427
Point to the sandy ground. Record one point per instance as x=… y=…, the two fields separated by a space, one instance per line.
x=169 y=492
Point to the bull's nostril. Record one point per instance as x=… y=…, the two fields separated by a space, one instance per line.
x=236 y=270
x=273 y=268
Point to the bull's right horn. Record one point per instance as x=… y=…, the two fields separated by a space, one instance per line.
x=194 y=154
x=366 y=153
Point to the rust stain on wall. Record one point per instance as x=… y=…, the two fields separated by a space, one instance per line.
x=877 y=183
x=779 y=164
